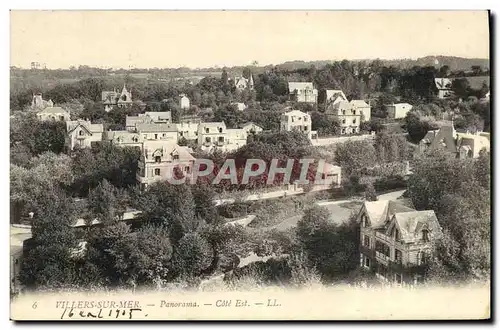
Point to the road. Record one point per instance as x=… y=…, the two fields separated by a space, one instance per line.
x=339 y=210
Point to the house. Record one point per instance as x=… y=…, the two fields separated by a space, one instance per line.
x=149 y=117
x=396 y=241
x=334 y=96
x=296 y=120
x=462 y=145
x=165 y=132
x=53 y=113
x=243 y=83
x=444 y=87
x=188 y=130
x=158 y=159
x=239 y=106
x=364 y=108
x=303 y=92
x=215 y=135
x=158 y=117
x=38 y=103
x=251 y=128
x=184 y=101
x=113 y=98
x=124 y=138
x=398 y=110
x=346 y=114
x=332 y=174
x=236 y=138
x=82 y=134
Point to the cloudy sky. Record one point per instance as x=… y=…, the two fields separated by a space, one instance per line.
x=209 y=38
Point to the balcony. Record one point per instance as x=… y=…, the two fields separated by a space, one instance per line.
x=382 y=258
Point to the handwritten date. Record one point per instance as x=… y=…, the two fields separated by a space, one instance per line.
x=128 y=313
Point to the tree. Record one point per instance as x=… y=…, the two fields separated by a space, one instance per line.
x=370 y=193
x=462 y=205
x=107 y=203
x=192 y=255
x=50 y=261
x=417 y=126
x=444 y=71
x=330 y=248
x=476 y=70
x=461 y=87
x=353 y=156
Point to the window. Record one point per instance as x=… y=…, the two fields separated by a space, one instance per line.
x=305 y=128
x=398 y=278
x=158 y=159
x=364 y=221
x=383 y=248
x=164 y=134
x=398 y=256
x=397 y=234
x=187 y=169
x=157 y=171
x=343 y=121
x=181 y=133
x=61 y=117
x=81 y=132
x=343 y=112
x=221 y=139
x=175 y=157
x=207 y=130
x=354 y=121
x=342 y=131
x=423 y=258
x=353 y=112
x=293 y=119
x=366 y=241
x=208 y=139
x=367 y=262
x=220 y=129
x=156 y=136
x=425 y=235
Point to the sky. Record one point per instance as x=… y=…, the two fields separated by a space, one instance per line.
x=198 y=39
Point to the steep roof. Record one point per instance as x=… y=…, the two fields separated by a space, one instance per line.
x=295 y=113
x=53 y=110
x=91 y=128
x=333 y=93
x=168 y=148
x=212 y=124
x=123 y=136
x=250 y=123
x=359 y=103
x=411 y=224
x=443 y=83
x=443 y=138
x=380 y=211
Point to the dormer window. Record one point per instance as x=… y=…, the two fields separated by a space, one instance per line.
x=158 y=159
x=81 y=132
x=220 y=129
x=175 y=157
x=364 y=221
x=425 y=235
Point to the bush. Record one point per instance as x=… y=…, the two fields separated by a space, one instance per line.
x=390 y=183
